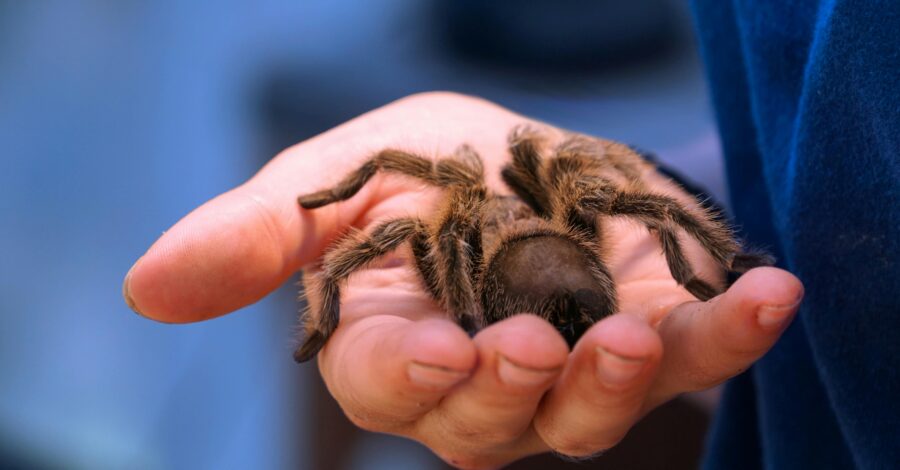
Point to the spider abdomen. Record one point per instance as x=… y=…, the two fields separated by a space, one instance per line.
x=553 y=275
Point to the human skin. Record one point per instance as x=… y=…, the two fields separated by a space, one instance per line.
x=397 y=364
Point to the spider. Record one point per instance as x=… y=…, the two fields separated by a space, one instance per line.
x=484 y=257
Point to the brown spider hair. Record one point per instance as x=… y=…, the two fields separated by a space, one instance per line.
x=485 y=257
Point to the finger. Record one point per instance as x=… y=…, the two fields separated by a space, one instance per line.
x=238 y=247
x=602 y=390
x=387 y=371
x=229 y=253
x=518 y=360
x=241 y=245
x=708 y=342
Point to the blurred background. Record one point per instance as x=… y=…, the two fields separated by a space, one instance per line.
x=118 y=118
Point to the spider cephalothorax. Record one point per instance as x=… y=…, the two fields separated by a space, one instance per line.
x=485 y=257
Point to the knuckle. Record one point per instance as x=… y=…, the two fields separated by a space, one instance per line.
x=363 y=422
x=432 y=94
x=373 y=422
x=578 y=446
x=703 y=373
x=573 y=449
x=501 y=436
x=581 y=449
x=486 y=437
x=439 y=98
x=480 y=434
x=435 y=95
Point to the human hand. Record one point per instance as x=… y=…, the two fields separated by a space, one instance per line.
x=397 y=365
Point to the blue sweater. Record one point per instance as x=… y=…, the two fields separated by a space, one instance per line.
x=807 y=97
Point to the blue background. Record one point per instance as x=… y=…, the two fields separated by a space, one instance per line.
x=117 y=118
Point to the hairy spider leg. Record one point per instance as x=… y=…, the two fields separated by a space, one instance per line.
x=351 y=254
x=678 y=264
x=464 y=169
x=715 y=236
x=591 y=152
x=423 y=255
x=745 y=261
x=662 y=215
x=580 y=198
x=531 y=177
x=570 y=188
x=576 y=154
x=523 y=175
x=458 y=250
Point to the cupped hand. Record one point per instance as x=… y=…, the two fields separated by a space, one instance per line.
x=396 y=364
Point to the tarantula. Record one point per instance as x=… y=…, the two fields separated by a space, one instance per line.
x=485 y=257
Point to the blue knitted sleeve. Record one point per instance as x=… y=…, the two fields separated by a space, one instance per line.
x=807 y=97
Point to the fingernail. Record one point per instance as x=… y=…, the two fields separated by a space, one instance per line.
x=614 y=369
x=773 y=317
x=433 y=376
x=512 y=373
x=126 y=290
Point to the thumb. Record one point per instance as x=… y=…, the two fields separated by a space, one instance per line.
x=238 y=247
x=709 y=342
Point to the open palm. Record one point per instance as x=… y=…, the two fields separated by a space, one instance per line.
x=397 y=364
